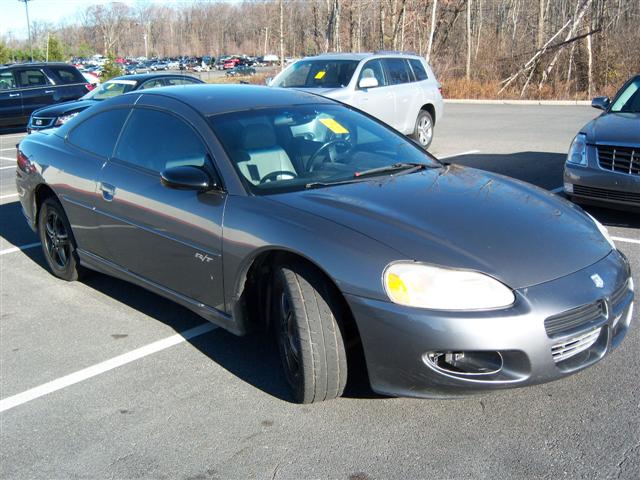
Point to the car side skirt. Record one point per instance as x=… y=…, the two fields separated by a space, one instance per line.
x=213 y=315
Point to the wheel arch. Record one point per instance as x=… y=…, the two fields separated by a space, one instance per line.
x=255 y=274
x=429 y=107
x=42 y=192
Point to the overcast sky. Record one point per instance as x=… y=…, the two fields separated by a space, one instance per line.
x=13 y=19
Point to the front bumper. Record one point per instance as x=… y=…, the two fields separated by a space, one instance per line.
x=397 y=339
x=593 y=185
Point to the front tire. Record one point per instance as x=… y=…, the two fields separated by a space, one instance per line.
x=310 y=341
x=57 y=241
x=423 y=130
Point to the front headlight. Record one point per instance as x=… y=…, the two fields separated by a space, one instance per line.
x=603 y=230
x=426 y=286
x=62 y=119
x=578 y=150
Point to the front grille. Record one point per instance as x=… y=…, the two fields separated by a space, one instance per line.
x=575 y=319
x=606 y=194
x=40 y=122
x=619 y=294
x=619 y=159
x=575 y=345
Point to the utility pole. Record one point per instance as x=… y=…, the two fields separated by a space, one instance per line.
x=26 y=8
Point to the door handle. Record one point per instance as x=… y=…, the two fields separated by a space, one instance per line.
x=13 y=95
x=48 y=91
x=108 y=191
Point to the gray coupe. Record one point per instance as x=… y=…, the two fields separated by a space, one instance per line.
x=273 y=208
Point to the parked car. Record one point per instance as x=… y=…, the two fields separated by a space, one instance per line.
x=56 y=115
x=29 y=86
x=241 y=71
x=399 y=89
x=230 y=63
x=259 y=207
x=603 y=164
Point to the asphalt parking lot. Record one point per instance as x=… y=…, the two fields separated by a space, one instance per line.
x=95 y=381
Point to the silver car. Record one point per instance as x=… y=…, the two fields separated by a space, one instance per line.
x=399 y=89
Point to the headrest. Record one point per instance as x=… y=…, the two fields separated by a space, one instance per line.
x=258 y=136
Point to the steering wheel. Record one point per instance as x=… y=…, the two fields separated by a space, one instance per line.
x=273 y=176
x=330 y=143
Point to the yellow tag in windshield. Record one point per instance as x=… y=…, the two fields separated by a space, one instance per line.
x=334 y=126
x=320 y=75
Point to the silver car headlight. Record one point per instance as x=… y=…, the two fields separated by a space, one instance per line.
x=603 y=230
x=62 y=119
x=578 y=150
x=426 y=286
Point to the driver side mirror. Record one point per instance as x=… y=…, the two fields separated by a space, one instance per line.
x=187 y=178
x=368 y=82
x=601 y=103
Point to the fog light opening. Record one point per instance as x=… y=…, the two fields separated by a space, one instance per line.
x=568 y=187
x=466 y=363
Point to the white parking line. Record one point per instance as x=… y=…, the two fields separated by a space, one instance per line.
x=11 y=195
x=14 y=135
x=8 y=167
x=8 y=158
x=115 y=362
x=627 y=240
x=19 y=248
x=468 y=152
x=7 y=149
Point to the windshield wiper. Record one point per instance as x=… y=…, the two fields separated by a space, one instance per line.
x=406 y=167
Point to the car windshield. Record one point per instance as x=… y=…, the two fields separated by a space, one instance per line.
x=317 y=74
x=110 y=89
x=310 y=146
x=629 y=99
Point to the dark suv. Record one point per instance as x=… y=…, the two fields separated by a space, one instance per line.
x=29 y=86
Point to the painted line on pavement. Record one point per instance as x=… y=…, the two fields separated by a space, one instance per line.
x=8 y=167
x=468 y=152
x=8 y=158
x=11 y=195
x=13 y=135
x=94 y=370
x=19 y=248
x=627 y=240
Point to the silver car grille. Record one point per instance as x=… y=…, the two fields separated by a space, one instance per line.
x=619 y=159
x=574 y=345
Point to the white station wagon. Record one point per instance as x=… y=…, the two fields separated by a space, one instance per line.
x=399 y=89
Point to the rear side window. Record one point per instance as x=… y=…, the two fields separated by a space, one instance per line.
x=68 y=75
x=156 y=140
x=98 y=134
x=418 y=70
x=7 y=82
x=156 y=82
x=32 y=78
x=181 y=81
x=398 y=71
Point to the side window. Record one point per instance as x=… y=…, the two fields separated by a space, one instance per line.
x=157 y=140
x=68 y=75
x=181 y=81
x=7 y=82
x=418 y=70
x=373 y=69
x=32 y=78
x=98 y=134
x=398 y=71
x=156 y=82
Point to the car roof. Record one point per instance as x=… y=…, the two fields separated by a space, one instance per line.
x=362 y=55
x=215 y=99
x=36 y=64
x=139 y=77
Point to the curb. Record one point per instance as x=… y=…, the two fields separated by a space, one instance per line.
x=518 y=102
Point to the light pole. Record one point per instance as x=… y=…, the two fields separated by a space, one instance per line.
x=26 y=8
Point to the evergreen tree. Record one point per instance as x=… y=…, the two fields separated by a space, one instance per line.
x=110 y=68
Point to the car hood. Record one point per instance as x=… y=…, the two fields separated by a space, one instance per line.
x=464 y=218
x=614 y=129
x=64 y=108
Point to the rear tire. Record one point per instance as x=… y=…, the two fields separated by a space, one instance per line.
x=423 y=130
x=312 y=351
x=58 y=244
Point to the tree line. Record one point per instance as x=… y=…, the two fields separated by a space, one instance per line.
x=522 y=48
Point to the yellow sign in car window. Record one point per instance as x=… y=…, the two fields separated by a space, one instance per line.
x=334 y=126
x=320 y=75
